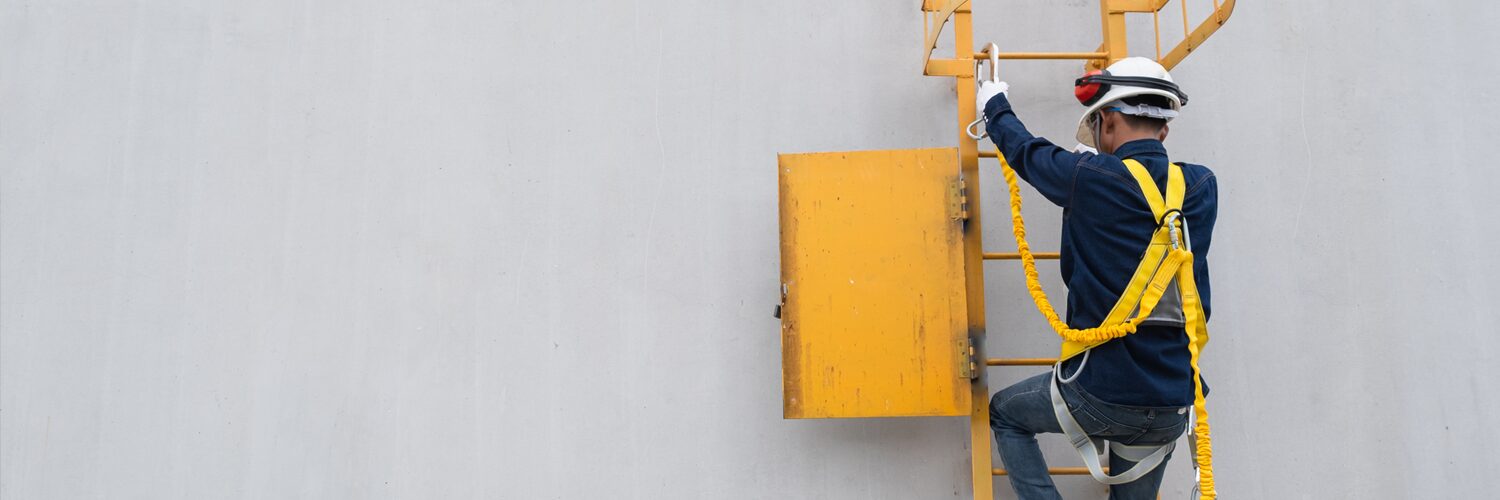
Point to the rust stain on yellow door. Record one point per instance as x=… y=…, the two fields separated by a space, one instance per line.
x=873 y=271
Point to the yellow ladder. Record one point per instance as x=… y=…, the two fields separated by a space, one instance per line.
x=963 y=67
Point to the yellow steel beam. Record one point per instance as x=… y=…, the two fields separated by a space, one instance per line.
x=981 y=456
x=1114 y=32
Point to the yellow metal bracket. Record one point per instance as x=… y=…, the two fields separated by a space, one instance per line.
x=1222 y=10
x=1114 y=29
x=937 y=14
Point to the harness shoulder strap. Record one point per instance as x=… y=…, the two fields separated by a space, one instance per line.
x=1151 y=269
x=1176 y=187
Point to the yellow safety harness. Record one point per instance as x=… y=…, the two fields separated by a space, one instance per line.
x=1166 y=267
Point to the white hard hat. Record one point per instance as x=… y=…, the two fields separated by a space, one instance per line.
x=1128 y=77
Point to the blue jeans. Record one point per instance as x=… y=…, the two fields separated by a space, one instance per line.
x=1020 y=412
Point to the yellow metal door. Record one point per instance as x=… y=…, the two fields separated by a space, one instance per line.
x=872 y=268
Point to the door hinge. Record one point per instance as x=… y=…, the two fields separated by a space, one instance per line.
x=968 y=365
x=777 y=311
x=958 y=200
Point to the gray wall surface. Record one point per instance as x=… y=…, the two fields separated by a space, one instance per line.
x=471 y=249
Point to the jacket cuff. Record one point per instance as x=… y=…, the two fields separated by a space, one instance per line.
x=997 y=105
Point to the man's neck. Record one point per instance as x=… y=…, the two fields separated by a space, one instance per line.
x=1149 y=145
x=1132 y=138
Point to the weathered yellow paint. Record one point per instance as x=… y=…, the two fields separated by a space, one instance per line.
x=872 y=263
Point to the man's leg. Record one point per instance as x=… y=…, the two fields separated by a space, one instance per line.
x=1144 y=488
x=1017 y=414
x=1020 y=412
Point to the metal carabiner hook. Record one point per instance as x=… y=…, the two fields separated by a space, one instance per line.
x=994 y=52
x=976 y=135
x=1170 y=220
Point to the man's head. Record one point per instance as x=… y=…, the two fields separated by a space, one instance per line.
x=1133 y=99
x=1121 y=122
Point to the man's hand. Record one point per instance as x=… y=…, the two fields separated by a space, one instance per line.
x=988 y=90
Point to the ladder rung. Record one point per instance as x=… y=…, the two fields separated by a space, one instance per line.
x=1017 y=256
x=1020 y=361
x=1057 y=471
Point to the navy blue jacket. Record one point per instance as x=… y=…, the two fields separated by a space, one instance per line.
x=1106 y=227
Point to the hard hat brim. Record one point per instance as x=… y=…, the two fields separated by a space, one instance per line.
x=1086 y=137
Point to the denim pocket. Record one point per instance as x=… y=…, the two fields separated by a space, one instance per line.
x=1093 y=422
x=1119 y=423
x=1167 y=427
x=1089 y=420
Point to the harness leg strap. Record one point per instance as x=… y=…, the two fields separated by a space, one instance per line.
x=1145 y=461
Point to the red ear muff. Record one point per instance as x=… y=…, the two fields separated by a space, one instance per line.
x=1087 y=90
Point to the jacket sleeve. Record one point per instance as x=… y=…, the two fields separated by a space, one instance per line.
x=1201 y=222
x=1050 y=169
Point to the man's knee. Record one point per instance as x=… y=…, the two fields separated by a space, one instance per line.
x=997 y=409
x=1025 y=406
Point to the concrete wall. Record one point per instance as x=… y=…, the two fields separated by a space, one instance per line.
x=470 y=249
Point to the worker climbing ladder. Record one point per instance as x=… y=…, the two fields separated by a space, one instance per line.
x=882 y=296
